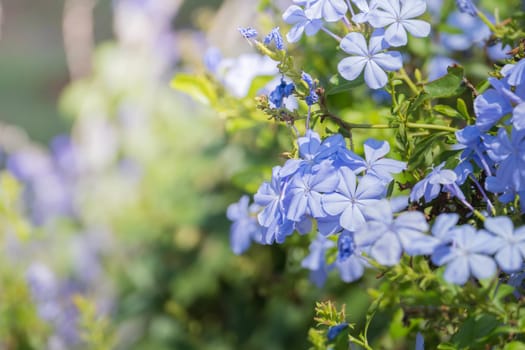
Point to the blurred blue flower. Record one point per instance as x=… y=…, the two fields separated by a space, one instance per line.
x=244 y=228
x=467 y=6
x=386 y=237
x=420 y=342
x=272 y=216
x=248 y=32
x=472 y=31
x=510 y=251
x=349 y=262
x=498 y=52
x=329 y=10
x=316 y=262
x=372 y=58
x=438 y=67
x=366 y=7
x=397 y=18
x=352 y=200
x=517 y=75
x=334 y=331
x=296 y=16
x=468 y=254
x=275 y=37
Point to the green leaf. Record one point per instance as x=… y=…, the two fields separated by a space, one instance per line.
x=449 y=85
x=339 y=84
x=447 y=110
x=197 y=86
x=515 y=345
x=475 y=330
x=462 y=108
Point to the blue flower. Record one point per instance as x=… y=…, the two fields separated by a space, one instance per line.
x=398 y=16
x=473 y=31
x=272 y=217
x=275 y=37
x=280 y=92
x=490 y=107
x=517 y=76
x=420 y=342
x=366 y=8
x=245 y=228
x=329 y=10
x=430 y=186
x=334 y=331
x=375 y=163
x=351 y=200
x=466 y=6
x=438 y=67
x=304 y=192
x=248 y=32
x=372 y=58
x=349 y=262
x=468 y=254
x=509 y=154
x=312 y=97
x=316 y=261
x=510 y=245
x=387 y=238
x=296 y=16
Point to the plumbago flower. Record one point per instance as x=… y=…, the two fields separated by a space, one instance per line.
x=467 y=6
x=397 y=17
x=372 y=58
x=469 y=253
x=510 y=251
x=245 y=227
x=352 y=200
x=387 y=238
x=430 y=186
x=301 y=22
x=375 y=163
x=329 y=10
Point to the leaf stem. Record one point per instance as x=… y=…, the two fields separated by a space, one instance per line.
x=406 y=78
x=487 y=21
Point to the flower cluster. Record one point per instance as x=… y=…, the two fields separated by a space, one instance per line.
x=391 y=19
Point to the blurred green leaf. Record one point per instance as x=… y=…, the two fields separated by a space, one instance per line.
x=197 y=86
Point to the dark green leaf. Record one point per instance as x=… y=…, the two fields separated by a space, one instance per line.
x=449 y=85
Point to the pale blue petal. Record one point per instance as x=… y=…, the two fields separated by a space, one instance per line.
x=396 y=35
x=518 y=116
x=334 y=203
x=482 y=266
x=389 y=61
x=351 y=269
x=354 y=44
x=457 y=271
x=509 y=259
x=375 y=149
x=375 y=77
x=413 y=8
x=295 y=33
x=501 y=226
x=351 y=67
x=387 y=250
x=351 y=218
x=417 y=28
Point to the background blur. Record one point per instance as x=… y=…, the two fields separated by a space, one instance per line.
x=115 y=187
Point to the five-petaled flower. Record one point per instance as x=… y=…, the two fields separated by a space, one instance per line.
x=372 y=57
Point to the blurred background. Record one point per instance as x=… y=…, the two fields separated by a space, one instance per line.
x=114 y=186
